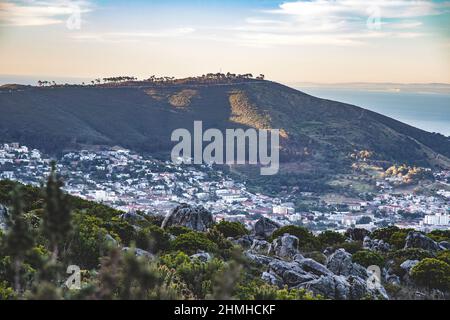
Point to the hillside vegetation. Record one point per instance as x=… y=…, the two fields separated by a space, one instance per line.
x=142 y=116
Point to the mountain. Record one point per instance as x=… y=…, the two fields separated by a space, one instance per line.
x=142 y=115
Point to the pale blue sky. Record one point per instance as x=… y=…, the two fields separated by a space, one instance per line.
x=289 y=41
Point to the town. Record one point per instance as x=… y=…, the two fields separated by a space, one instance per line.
x=135 y=183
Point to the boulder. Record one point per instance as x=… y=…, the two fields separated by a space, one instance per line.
x=265 y=227
x=376 y=245
x=260 y=246
x=285 y=246
x=340 y=263
x=418 y=240
x=245 y=242
x=408 y=265
x=259 y=259
x=331 y=287
x=312 y=266
x=132 y=217
x=445 y=245
x=202 y=256
x=341 y=288
x=356 y=234
x=111 y=240
x=139 y=252
x=195 y=218
x=290 y=272
x=272 y=279
x=3 y=217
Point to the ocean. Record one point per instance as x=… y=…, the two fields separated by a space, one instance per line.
x=427 y=111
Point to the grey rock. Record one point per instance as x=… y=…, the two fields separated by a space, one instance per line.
x=312 y=266
x=376 y=245
x=418 y=240
x=342 y=288
x=260 y=246
x=111 y=241
x=132 y=217
x=290 y=272
x=245 y=241
x=3 y=217
x=265 y=227
x=408 y=265
x=259 y=259
x=195 y=218
x=272 y=279
x=445 y=245
x=139 y=252
x=340 y=263
x=285 y=246
x=331 y=287
x=202 y=256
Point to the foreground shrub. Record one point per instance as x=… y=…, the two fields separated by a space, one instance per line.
x=368 y=258
x=432 y=273
x=192 y=242
x=329 y=238
x=153 y=239
x=231 y=229
x=197 y=275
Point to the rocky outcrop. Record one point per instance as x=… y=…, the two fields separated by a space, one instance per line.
x=195 y=218
x=341 y=288
x=260 y=247
x=418 y=240
x=290 y=272
x=139 y=252
x=285 y=246
x=341 y=264
x=313 y=267
x=132 y=217
x=265 y=227
x=272 y=279
x=202 y=256
x=445 y=245
x=245 y=242
x=259 y=259
x=3 y=217
x=408 y=265
x=376 y=245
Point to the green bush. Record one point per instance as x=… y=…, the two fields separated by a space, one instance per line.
x=178 y=230
x=439 y=235
x=6 y=292
x=257 y=290
x=192 y=242
x=231 y=229
x=444 y=256
x=351 y=247
x=153 y=239
x=197 y=275
x=307 y=241
x=89 y=241
x=384 y=234
x=368 y=258
x=432 y=273
x=329 y=238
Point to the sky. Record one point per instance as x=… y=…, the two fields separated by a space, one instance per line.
x=322 y=41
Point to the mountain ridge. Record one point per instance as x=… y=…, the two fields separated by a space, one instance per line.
x=141 y=116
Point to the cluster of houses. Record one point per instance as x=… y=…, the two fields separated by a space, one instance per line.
x=131 y=182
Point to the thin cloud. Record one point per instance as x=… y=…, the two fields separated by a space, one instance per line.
x=40 y=13
x=339 y=23
x=133 y=36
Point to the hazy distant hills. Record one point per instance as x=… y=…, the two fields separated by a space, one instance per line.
x=143 y=116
